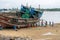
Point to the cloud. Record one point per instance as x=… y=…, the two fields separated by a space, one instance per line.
x=33 y=3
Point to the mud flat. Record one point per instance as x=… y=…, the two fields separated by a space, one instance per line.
x=34 y=33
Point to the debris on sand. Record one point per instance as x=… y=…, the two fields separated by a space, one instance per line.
x=49 y=33
x=2 y=37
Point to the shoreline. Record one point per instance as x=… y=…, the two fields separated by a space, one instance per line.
x=33 y=32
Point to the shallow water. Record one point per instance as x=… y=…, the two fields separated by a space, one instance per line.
x=51 y=16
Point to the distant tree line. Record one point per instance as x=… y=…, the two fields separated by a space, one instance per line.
x=53 y=9
x=48 y=9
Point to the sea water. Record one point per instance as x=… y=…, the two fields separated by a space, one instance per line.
x=53 y=16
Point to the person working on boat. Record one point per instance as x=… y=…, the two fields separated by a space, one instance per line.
x=0 y=27
x=15 y=27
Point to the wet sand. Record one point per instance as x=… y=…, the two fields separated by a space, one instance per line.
x=35 y=33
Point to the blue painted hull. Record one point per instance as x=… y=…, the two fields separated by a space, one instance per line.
x=30 y=12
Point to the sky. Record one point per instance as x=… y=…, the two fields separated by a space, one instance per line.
x=33 y=3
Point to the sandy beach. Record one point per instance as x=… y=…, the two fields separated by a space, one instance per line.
x=35 y=33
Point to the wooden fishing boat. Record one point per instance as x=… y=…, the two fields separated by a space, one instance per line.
x=25 y=17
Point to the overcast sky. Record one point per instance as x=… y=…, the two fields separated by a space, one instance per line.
x=33 y=3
